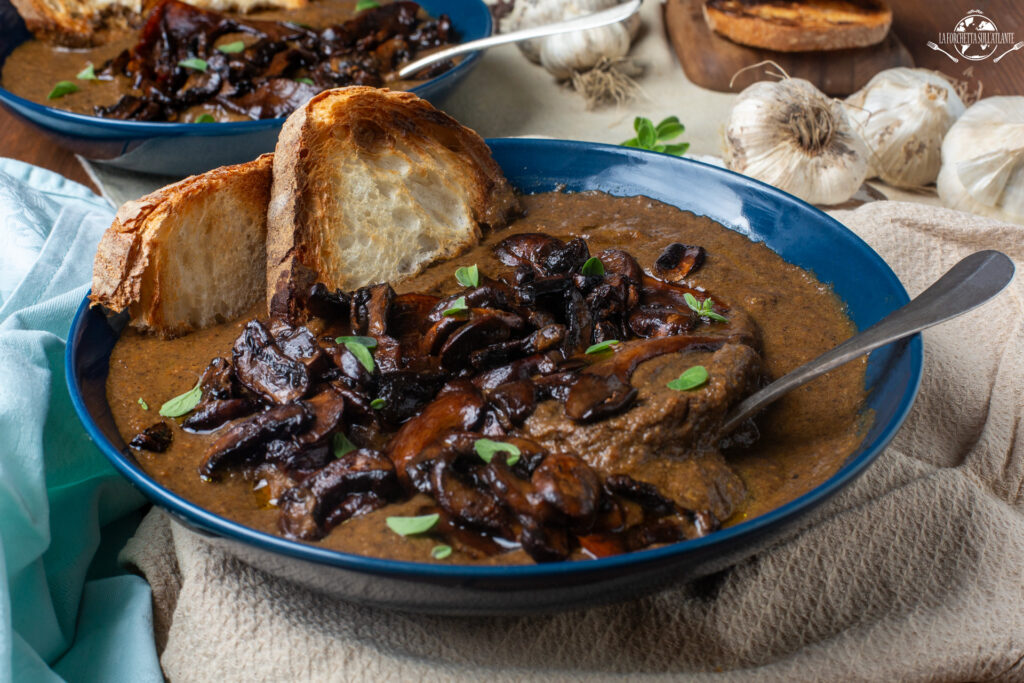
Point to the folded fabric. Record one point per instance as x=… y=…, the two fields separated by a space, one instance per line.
x=62 y=615
x=913 y=573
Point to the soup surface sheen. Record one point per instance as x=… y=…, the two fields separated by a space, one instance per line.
x=805 y=437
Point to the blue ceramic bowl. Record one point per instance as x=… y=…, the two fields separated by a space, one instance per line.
x=181 y=149
x=798 y=232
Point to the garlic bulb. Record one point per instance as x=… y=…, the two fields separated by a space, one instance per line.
x=902 y=115
x=575 y=51
x=983 y=160
x=789 y=134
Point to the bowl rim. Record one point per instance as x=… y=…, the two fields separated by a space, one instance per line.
x=744 y=531
x=168 y=128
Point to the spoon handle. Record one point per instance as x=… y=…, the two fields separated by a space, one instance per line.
x=611 y=15
x=968 y=284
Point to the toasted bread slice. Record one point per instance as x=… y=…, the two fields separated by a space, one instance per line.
x=189 y=255
x=800 y=25
x=373 y=185
x=84 y=23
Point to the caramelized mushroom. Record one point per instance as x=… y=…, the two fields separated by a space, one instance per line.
x=263 y=368
x=156 y=438
x=677 y=261
x=242 y=441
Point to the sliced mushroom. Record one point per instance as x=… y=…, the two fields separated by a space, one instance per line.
x=156 y=438
x=476 y=334
x=263 y=368
x=241 y=443
x=659 y=320
x=213 y=414
x=677 y=261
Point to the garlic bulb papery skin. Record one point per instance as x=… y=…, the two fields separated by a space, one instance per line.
x=791 y=135
x=577 y=50
x=983 y=160
x=902 y=115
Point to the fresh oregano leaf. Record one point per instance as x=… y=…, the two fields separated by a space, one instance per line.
x=182 y=404
x=592 y=266
x=205 y=118
x=303 y=79
x=368 y=342
x=410 y=526
x=340 y=445
x=61 y=89
x=669 y=128
x=145 y=406
x=440 y=552
x=362 y=354
x=87 y=74
x=487 y=449
x=366 y=4
x=645 y=132
x=378 y=403
x=468 y=276
x=601 y=347
x=194 y=63
x=695 y=377
x=678 y=149
x=232 y=48
x=458 y=306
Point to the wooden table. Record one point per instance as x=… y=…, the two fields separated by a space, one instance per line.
x=22 y=141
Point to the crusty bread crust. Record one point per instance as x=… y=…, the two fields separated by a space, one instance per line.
x=373 y=185
x=800 y=25
x=143 y=262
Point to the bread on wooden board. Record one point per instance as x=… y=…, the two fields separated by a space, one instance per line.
x=83 y=23
x=800 y=25
x=373 y=185
x=189 y=255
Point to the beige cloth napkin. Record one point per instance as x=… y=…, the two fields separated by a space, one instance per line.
x=915 y=572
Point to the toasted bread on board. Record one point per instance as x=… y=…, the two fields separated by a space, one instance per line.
x=189 y=255
x=81 y=23
x=800 y=25
x=373 y=185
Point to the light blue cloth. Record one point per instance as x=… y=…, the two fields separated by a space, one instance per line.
x=66 y=611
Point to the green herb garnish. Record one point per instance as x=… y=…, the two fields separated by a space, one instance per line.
x=205 y=118
x=601 y=347
x=703 y=308
x=340 y=445
x=303 y=79
x=458 y=306
x=649 y=136
x=439 y=552
x=695 y=377
x=87 y=74
x=487 y=449
x=468 y=277
x=368 y=342
x=410 y=526
x=378 y=403
x=61 y=89
x=366 y=4
x=194 y=63
x=360 y=348
x=593 y=266
x=362 y=354
x=232 y=48
x=185 y=403
x=145 y=406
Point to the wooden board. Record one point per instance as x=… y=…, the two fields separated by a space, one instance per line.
x=711 y=61
x=918 y=22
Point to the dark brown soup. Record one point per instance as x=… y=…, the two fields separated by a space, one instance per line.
x=185 y=64
x=804 y=438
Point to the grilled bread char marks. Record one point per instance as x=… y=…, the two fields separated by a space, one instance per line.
x=372 y=185
x=800 y=25
x=85 y=23
x=189 y=255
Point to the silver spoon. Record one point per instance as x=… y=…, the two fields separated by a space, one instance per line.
x=602 y=18
x=967 y=285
